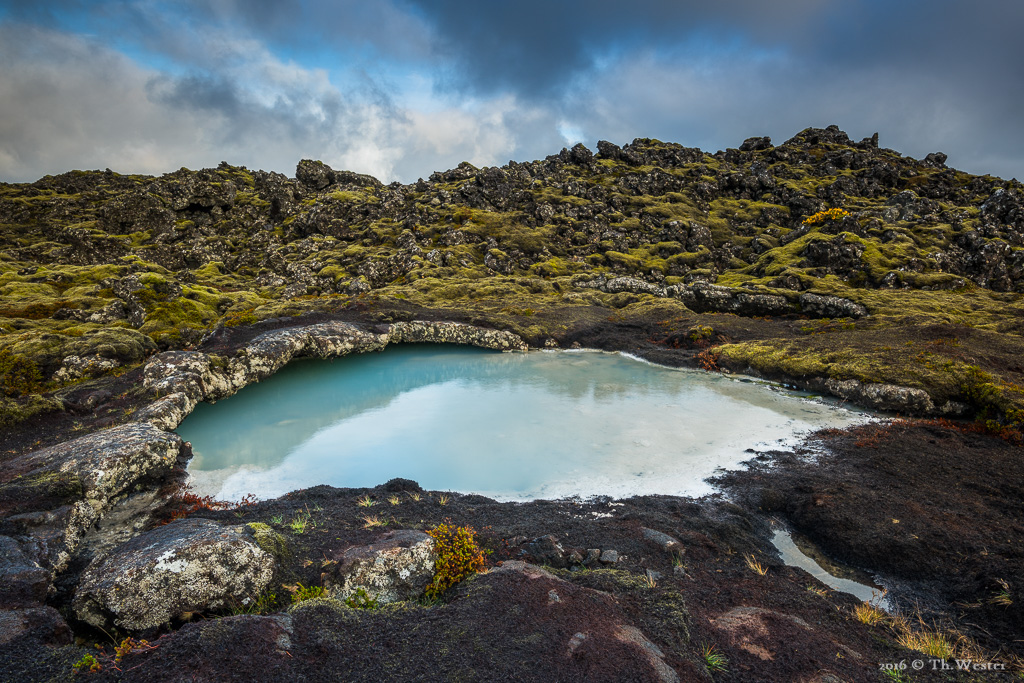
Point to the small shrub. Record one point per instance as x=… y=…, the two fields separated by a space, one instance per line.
x=87 y=663
x=458 y=556
x=828 y=215
x=708 y=360
x=129 y=645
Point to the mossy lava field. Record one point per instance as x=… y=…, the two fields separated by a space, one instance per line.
x=830 y=265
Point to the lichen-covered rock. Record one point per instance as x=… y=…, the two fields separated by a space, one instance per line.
x=52 y=496
x=181 y=379
x=106 y=462
x=399 y=566
x=830 y=306
x=888 y=397
x=191 y=565
x=76 y=367
x=703 y=297
x=455 y=333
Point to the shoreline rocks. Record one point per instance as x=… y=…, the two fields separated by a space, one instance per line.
x=190 y=565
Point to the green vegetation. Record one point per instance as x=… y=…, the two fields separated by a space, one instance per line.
x=714 y=660
x=360 y=600
x=302 y=593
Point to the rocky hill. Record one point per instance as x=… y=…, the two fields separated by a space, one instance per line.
x=100 y=270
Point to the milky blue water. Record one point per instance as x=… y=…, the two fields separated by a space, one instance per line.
x=514 y=426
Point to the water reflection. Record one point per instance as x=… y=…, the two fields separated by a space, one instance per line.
x=514 y=426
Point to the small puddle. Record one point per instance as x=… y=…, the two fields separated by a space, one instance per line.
x=799 y=552
x=511 y=426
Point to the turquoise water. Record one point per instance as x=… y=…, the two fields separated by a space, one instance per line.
x=514 y=426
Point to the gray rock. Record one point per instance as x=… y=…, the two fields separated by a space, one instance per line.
x=455 y=333
x=548 y=551
x=631 y=635
x=830 y=306
x=889 y=397
x=315 y=175
x=103 y=466
x=661 y=540
x=399 y=566
x=40 y=625
x=755 y=144
x=23 y=583
x=609 y=556
x=191 y=565
x=106 y=462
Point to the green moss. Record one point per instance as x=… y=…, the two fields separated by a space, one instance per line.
x=269 y=540
x=13 y=411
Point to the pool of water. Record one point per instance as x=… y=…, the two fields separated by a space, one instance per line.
x=512 y=426
x=799 y=552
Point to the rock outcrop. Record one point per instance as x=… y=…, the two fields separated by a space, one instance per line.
x=398 y=566
x=181 y=379
x=52 y=496
x=187 y=566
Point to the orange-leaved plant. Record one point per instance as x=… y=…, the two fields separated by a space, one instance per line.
x=458 y=556
x=829 y=215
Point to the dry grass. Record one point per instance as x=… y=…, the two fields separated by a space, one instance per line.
x=756 y=566
x=366 y=502
x=394 y=500
x=373 y=522
x=868 y=614
x=1002 y=597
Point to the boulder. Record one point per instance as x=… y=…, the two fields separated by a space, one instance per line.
x=52 y=496
x=23 y=583
x=888 y=397
x=830 y=306
x=398 y=566
x=190 y=565
x=548 y=551
x=755 y=144
x=661 y=541
x=315 y=175
x=105 y=463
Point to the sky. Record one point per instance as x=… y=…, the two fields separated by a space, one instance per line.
x=401 y=88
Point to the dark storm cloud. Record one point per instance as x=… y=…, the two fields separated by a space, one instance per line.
x=538 y=47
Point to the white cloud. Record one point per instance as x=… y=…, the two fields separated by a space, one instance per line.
x=69 y=103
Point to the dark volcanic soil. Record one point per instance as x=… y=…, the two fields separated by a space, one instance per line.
x=935 y=508
x=507 y=626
